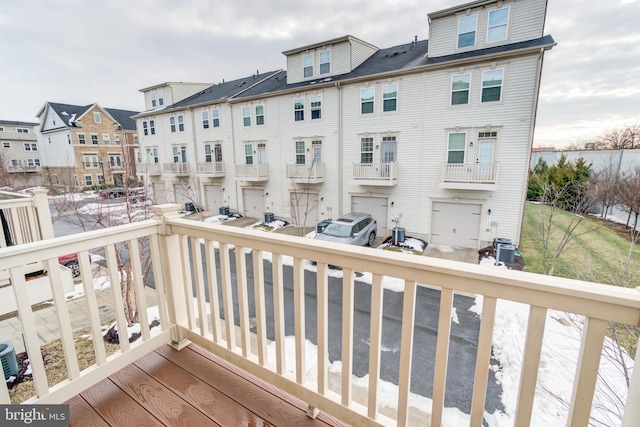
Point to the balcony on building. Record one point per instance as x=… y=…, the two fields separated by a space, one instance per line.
x=210 y=169
x=470 y=176
x=23 y=168
x=177 y=168
x=252 y=173
x=91 y=165
x=151 y=169
x=116 y=167
x=375 y=174
x=200 y=366
x=306 y=173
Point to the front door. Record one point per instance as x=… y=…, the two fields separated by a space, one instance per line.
x=485 y=159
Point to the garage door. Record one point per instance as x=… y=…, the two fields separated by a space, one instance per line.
x=159 y=193
x=213 y=197
x=253 y=203
x=376 y=206
x=455 y=224
x=181 y=194
x=304 y=209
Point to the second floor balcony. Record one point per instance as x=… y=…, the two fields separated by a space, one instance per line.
x=24 y=168
x=211 y=169
x=377 y=174
x=268 y=305
x=252 y=173
x=177 y=168
x=310 y=173
x=470 y=176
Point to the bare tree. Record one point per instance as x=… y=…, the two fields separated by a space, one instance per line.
x=302 y=204
x=606 y=187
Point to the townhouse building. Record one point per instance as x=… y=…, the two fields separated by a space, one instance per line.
x=85 y=146
x=20 y=163
x=433 y=135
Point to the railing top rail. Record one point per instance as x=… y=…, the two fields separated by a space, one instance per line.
x=591 y=299
x=8 y=195
x=52 y=248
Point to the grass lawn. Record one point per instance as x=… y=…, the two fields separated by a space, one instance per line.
x=598 y=253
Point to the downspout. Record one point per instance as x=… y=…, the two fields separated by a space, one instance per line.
x=534 y=109
x=340 y=151
x=233 y=150
x=195 y=153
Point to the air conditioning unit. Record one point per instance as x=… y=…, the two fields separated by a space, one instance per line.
x=8 y=359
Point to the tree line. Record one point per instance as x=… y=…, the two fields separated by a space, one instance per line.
x=612 y=139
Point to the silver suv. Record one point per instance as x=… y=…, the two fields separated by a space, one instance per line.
x=353 y=228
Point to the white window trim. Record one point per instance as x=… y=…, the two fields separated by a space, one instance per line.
x=295 y=110
x=6 y=145
x=97 y=118
x=501 y=85
x=373 y=102
x=206 y=123
x=451 y=89
x=397 y=98
x=213 y=118
x=328 y=51
x=312 y=108
x=246 y=116
x=506 y=34
x=475 y=37
x=262 y=115
x=309 y=55
x=464 y=149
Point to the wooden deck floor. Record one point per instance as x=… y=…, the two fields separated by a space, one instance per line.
x=189 y=387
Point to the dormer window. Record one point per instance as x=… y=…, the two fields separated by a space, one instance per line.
x=325 y=62
x=97 y=118
x=467 y=31
x=307 y=65
x=497 y=26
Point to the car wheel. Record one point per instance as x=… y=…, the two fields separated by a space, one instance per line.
x=74 y=267
x=372 y=239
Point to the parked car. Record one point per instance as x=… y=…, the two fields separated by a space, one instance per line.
x=354 y=228
x=71 y=262
x=112 y=193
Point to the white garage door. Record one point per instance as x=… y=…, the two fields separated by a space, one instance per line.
x=304 y=209
x=253 y=203
x=376 y=206
x=181 y=194
x=455 y=224
x=213 y=197
x=159 y=193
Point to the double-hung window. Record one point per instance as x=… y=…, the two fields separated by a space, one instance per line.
x=307 y=65
x=300 y=153
x=207 y=153
x=492 y=85
x=497 y=25
x=82 y=140
x=181 y=123
x=30 y=147
x=316 y=107
x=97 y=118
x=205 y=119
x=455 y=147
x=94 y=139
x=145 y=128
x=248 y=154
x=172 y=124
x=390 y=97
x=259 y=114
x=467 y=26
x=246 y=116
x=215 y=116
x=367 y=97
x=325 y=61
x=105 y=139
x=88 y=180
x=298 y=109
x=460 y=85
x=116 y=139
x=366 y=150
x=6 y=145
x=152 y=127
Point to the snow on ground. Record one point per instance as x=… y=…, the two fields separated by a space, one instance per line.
x=217 y=219
x=273 y=225
x=100 y=283
x=152 y=314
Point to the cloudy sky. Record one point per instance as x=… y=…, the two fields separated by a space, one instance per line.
x=81 y=52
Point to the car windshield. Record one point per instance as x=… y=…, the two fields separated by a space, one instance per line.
x=338 y=230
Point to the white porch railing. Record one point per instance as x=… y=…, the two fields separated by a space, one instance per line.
x=178 y=168
x=470 y=172
x=23 y=168
x=26 y=217
x=180 y=248
x=211 y=168
x=258 y=171
x=150 y=168
x=309 y=171
x=376 y=171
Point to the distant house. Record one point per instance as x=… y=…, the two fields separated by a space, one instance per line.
x=84 y=146
x=439 y=131
x=20 y=163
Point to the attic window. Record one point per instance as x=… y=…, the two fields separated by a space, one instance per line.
x=97 y=118
x=307 y=65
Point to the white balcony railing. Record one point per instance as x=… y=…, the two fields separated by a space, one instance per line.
x=255 y=172
x=375 y=173
x=23 y=168
x=211 y=168
x=178 y=168
x=179 y=248
x=481 y=173
x=25 y=218
x=309 y=172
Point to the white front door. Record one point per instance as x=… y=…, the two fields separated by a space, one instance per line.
x=485 y=159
